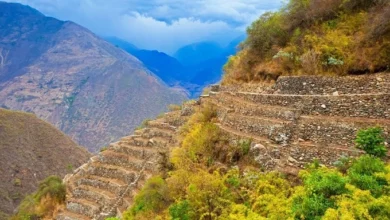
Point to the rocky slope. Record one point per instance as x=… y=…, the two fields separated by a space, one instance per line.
x=90 y=89
x=31 y=150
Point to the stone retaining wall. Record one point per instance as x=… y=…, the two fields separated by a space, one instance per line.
x=327 y=131
x=310 y=85
x=369 y=106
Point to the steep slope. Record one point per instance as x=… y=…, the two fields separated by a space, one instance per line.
x=126 y=46
x=31 y=150
x=107 y=184
x=164 y=66
x=330 y=37
x=90 y=89
x=233 y=133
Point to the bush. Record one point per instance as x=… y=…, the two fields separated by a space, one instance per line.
x=320 y=187
x=153 y=197
x=363 y=174
x=372 y=141
x=325 y=182
x=180 y=211
x=51 y=193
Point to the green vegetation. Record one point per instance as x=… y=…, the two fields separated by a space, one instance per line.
x=372 y=141
x=42 y=203
x=204 y=182
x=315 y=37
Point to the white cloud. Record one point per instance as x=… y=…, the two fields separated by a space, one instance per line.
x=164 y=25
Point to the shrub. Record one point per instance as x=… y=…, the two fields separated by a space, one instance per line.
x=180 y=211
x=324 y=182
x=363 y=174
x=43 y=203
x=245 y=146
x=153 y=197
x=372 y=141
x=208 y=195
x=265 y=33
x=310 y=62
x=320 y=186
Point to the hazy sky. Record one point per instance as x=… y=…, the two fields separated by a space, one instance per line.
x=164 y=25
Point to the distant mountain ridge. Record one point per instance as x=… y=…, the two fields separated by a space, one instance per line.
x=198 y=52
x=90 y=89
x=192 y=67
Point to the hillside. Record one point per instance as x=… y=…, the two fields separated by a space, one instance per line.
x=297 y=130
x=31 y=150
x=330 y=37
x=250 y=151
x=85 y=86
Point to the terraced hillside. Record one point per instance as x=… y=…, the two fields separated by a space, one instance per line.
x=301 y=118
x=290 y=123
x=107 y=184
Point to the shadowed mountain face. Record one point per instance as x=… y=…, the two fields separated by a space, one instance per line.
x=90 y=89
x=31 y=150
x=198 y=52
x=193 y=68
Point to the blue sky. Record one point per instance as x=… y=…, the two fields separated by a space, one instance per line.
x=164 y=25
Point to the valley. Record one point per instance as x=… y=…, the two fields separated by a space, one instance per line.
x=288 y=121
x=91 y=90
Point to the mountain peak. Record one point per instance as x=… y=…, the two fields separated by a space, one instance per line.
x=17 y=9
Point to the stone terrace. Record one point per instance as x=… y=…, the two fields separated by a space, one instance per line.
x=301 y=118
x=107 y=184
x=290 y=123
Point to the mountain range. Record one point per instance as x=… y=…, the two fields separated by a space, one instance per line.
x=192 y=67
x=70 y=77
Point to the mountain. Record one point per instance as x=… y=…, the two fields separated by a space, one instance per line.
x=126 y=46
x=31 y=150
x=198 y=52
x=232 y=47
x=65 y=74
x=201 y=63
x=164 y=66
x=169 y=69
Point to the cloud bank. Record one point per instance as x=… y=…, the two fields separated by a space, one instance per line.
x=164 y=25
